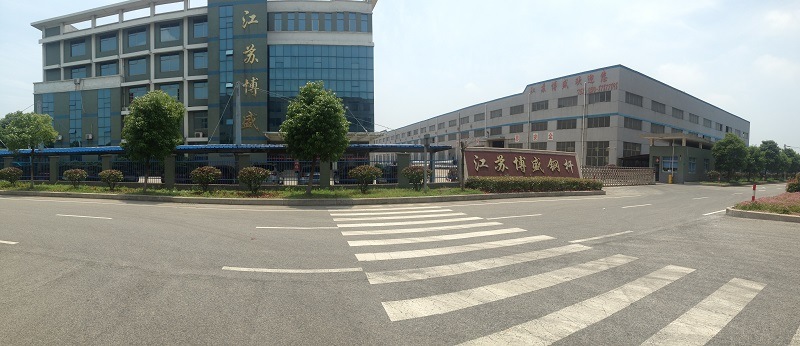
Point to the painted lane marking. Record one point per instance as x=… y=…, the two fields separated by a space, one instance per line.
x=600 y=237
x=537 y=200
x=699 y=198
x=796 y=339
x=294 y=271
x=714 y=212
x=391 y=212
x=637 y=206
x=738 y=193
x=8 y=242
x=468 y=267
x=702 y=322
x=384 y=256
x=395 y=217
x=567 y=321
x=402 y=223
x=86 y=217
x=421 y=229
x=443 y=303
x=396 y=241
x=292 y=227
x=512 y=217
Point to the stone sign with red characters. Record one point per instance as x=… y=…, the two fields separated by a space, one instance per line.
x=495 y=162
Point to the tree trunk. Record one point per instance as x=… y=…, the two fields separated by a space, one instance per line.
x=311 y=177
x=146 y=174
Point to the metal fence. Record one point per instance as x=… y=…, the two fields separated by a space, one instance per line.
x=620 y=176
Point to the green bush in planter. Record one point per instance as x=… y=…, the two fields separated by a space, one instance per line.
x=531 y=184
x=204 y=176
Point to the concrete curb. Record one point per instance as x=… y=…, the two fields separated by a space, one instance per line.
x=302 y=202
x=761 y=216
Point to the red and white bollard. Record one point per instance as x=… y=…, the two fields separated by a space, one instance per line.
x=754 y=194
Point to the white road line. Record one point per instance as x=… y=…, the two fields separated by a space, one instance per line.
x=8 y=242
x=292 y=227
x=294 y=271
x=700 y=198
x=402 y=223
x=383 y=256
x=562 y=323
x=796 y=339
x=86 y=217
x=537 y=200
x=468 y=267
x=443 y=303
x=395 y=241
x=698 y=325
x=392 y=212
x=739 y=193
x=381 y=209
x=512 y=217
x=395 y=217
x=714 y=212
x=637 y=206
x=600 y=237
x=421 y=229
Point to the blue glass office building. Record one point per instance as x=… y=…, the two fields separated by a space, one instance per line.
x=95 y=62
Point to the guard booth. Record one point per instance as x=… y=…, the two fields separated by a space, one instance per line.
x=686 y=158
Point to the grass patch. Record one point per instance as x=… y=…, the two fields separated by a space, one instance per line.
x=787 y=203
x=288 y=193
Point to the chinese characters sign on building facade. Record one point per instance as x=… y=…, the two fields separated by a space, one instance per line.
x=525 y=163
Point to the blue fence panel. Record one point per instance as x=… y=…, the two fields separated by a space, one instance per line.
x=134 y=171
x=41 y=167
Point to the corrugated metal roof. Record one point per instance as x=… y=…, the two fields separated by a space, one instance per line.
x=228 y=148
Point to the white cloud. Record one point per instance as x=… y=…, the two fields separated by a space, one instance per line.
x=686 y=76
x=781 y=21
x=777 y=67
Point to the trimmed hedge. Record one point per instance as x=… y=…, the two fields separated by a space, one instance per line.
x=794 y=184
x=75 y=176
x=204 y=176
x=111 y=177
x=252 y=177
x=531 y=184
x=11 y=174
x=365 y=175
x=415 y=175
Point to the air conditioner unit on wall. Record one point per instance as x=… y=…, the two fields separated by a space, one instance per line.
x=89 y=136
x=198 y=134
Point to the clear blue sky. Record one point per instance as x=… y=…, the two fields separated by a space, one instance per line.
x=437 y=56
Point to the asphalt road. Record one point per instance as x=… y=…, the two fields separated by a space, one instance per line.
x=642 y=265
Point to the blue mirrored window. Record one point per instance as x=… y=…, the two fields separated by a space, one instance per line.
x=200 y=60
x=137 y=38
x=201 y=29
x=170 y=33
x=109 y=69
x=108 y=44
x=170 y=63
x=78 y=48
x=137 y=67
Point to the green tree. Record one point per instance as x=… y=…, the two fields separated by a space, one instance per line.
x=754 y=163
x=315 y=127
x=793 y=166
x=27 y=131
x=152 y=129
x=729 y=154
x=772 y=157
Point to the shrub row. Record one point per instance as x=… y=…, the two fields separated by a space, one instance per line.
x=531 y=184
x=794 y=184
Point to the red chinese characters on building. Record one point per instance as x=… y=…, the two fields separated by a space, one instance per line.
x=578 y=81
x=526 y=163
x=554 y=85
x=544 y=87
x=564 y=85
x=590 y=80
x=603 y=77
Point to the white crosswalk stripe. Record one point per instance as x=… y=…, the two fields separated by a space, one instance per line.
x=395 y=217
x=468 y=267
x=391 y=212
x=407 y=223
x=383 y=256
x=796 y=339
x=332 y=210
x=562 y=323
x=443 y=303
x=421 y=229
x=698 y=325
x=397 y=241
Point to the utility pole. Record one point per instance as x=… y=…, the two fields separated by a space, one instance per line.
x=237 y=116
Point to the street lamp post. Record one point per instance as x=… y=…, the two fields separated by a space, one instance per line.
x=584 y=125
x=528 y=140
